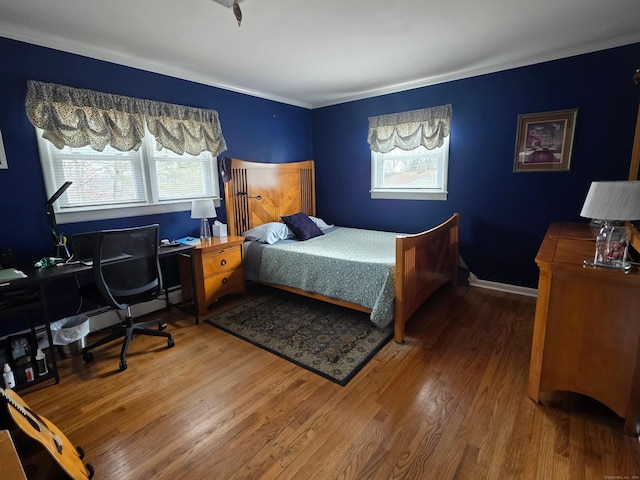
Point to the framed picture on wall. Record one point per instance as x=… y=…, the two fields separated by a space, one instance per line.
x=545 y=141
x=3 y=157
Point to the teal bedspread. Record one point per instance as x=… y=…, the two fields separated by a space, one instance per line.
x=348 y=264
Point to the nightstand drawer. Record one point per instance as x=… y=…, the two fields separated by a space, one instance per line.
x=216 y=286
x=228 y=259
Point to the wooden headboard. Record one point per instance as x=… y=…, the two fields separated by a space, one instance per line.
x=259 y=193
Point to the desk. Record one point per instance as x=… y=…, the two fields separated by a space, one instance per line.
x=43 y=276
x=49 y=274
x=40 y=278
x=586 y=332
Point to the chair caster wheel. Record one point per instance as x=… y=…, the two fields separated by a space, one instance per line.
x=87 y=356
x=123 y=365
x=162 y=326
x=171 y=342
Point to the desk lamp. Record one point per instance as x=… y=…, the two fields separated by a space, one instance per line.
x=204 y=210
x=59 y=240
x=613 y=203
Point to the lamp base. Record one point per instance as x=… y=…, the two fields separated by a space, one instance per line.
x=615 y=264
x=62 y=251
x=205 y=229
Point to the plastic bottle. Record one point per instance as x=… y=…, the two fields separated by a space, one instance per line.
x=7 y=375
x=41 y=363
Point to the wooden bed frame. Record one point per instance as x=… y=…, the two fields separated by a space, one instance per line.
x=259 y=193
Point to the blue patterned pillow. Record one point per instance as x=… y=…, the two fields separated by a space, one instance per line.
x=302 y=226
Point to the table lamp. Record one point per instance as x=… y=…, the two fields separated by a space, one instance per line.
x=613 y=203
x=204 y=210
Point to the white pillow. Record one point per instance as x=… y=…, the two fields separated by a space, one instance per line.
x=269 y=233
x=320 y=223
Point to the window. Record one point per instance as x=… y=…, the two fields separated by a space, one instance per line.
x=124 y=156
x=417 y=174
x=111 y=184
x=410 y=154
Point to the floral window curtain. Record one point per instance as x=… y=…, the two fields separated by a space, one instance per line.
x=408 y=130
x=185 y=130
x=77 y=117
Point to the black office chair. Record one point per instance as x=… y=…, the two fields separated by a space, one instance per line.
x=126 y=272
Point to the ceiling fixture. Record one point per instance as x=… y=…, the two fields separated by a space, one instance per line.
x=236 y=8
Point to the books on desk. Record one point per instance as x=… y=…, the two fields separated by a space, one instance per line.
x=188 y=241
x=8 y=274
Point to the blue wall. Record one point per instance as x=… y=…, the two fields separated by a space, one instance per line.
x=504 y=215
x=254 y=128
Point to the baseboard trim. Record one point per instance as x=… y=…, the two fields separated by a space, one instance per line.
x=101 y=318
x=503 y=287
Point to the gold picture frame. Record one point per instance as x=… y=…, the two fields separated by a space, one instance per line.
x=544 y=142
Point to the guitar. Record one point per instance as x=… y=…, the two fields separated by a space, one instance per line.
x=40 y=432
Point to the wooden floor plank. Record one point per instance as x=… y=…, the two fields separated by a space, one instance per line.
x=450 y=402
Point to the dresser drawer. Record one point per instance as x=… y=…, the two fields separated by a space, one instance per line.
x=228 y=259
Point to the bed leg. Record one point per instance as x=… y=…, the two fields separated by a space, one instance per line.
x=398 y=335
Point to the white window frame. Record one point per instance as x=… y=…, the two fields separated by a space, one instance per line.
x=150 y=206
x=404 y=193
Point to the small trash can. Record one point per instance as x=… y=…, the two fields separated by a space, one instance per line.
x=70 y=334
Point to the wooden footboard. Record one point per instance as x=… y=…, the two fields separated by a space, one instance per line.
x=424 y=262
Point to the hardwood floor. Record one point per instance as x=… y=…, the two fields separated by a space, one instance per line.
x=449 y=403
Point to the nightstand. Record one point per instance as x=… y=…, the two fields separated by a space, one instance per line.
x=217 y=271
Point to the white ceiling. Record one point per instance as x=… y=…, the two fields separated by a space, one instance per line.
x=315 y=53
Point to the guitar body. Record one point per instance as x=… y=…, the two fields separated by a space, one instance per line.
x=45 y=453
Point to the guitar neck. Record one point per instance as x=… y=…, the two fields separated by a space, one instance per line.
x=33 y=420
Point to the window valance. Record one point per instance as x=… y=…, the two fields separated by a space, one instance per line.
x=77 y=117
x=408 y=130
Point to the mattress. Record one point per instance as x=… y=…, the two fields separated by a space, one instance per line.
x=348 y=264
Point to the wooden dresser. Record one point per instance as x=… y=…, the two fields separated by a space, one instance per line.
x=634 y=168
x=587 y=325
x=11 y=465
x=217 y=271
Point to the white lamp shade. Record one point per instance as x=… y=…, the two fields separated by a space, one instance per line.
x=203 y=209
x=618 y=201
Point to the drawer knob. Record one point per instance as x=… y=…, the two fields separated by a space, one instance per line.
x=225 y=280
x=223 y=262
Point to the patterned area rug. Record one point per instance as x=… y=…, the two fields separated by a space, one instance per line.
x=332 y=341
